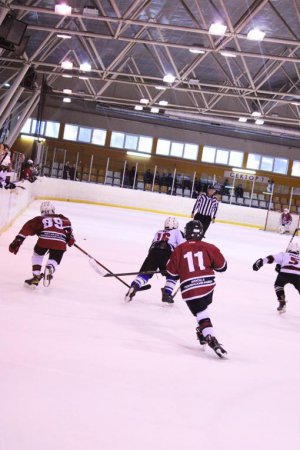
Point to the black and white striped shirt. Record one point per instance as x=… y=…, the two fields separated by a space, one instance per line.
x=205 y=205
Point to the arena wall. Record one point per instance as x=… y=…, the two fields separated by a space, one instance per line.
x=15 y=201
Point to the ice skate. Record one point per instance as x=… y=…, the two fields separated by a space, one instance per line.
x=215 y=345
x=48 y=275
x=282 y=307
x=131 y=293
x=34 y=281
x=200 y=336
x=166 y=297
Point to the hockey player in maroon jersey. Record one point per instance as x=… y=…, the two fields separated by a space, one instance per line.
x=285 y=222
x=54 y=232
x=194 y=263
x=288 y=266
x=159 y=253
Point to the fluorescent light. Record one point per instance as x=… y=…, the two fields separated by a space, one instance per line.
x=83 y=78
x=292 y=103
x=163 y=103
x=243 y=119
x=67 y=91
x=67 y=65
x=160 y=88
x=169 y=78
x=64 y=36
x=197 y=50
x=259 y=121
x=138 y=108
x=65 y=75
x=256 y=114
x=154 y=110
x=228 y=53
x=35 y=138
x=6 y=85
x=63 y=9
x=85 y=67
x=218 y=29
x=142 y=155
x=145 y=101
x=256 y=35
x=247 y=171
x=66 y=100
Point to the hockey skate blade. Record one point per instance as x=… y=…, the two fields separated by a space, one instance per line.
x=282 y=311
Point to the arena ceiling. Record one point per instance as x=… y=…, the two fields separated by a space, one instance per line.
x=130 y=45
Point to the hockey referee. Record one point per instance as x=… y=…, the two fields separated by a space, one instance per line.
x=206 y=207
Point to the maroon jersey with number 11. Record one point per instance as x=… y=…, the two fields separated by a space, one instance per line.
x=53 y=231
x=194 y=263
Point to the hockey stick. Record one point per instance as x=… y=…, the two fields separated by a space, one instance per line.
x=148 y=272
x=294 y=234
x=94 y=261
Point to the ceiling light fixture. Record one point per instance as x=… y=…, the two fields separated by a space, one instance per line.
x=85 y=67
x=154 y=110
x=83 y=78
x=228 y=53
x=169 y=78
x=6 y=85
x=145 y=101
x=160 y=88
x=163 y=102
x=256 y=35
x=65 y=75
x=256 y=114
x=217 y=29
x=138 y=108
x=64 y=36
x=197 y=50
x=243 y=119
x=259 y=121
x=67 y=91
x=63 y=9
x=68 y=65
x=66 y=100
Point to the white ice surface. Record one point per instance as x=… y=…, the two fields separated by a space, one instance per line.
x=82 y=370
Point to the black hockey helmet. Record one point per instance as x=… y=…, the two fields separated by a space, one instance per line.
x=194 y=230
x=212 y=187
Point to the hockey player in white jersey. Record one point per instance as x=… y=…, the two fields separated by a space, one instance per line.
x=288 y=266
x=161 y=248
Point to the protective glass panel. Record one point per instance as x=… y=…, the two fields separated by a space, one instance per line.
x=208 y=154
x=70 y=132
x=163 y=147
x=117 y=139
x=26 y=127
x=296 y=169
x=85 y=134
x=177 y=149
x=253 y=161
x=145 y=144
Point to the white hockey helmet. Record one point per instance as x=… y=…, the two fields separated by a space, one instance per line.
x=29 y=162
x=293 y=247
x=171 y=223
x=286 y=210
x=47 y=208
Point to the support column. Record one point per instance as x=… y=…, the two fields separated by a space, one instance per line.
x=13 y=89
x=10 y=107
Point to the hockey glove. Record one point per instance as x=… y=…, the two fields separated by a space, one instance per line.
x=258 y=264
x=15 y=245
x=71 y=240
x=278 y=268
x=9 y=185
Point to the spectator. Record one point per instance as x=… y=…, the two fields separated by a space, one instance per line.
x=270 y=186
x=125 y=176
x=148 y=178
x=66 y=171
x=132 y=175
x=239 y=191
x=73 y=173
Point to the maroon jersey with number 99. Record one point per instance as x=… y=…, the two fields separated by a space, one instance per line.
x=194 y=263
x=53 y=230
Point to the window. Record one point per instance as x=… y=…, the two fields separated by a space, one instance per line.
x=117 y=139
x=26 y=127
x=176 y=149
x=52 y=129
x=99 y=136
x=131 y=141
x=84 y=134
x=267 y=163
x=253 y=161
x=70 y=132
x=145 y=144
x=41 y=127
x=163 y=147
x=222 y=156
x=296 y=169
x=281 y=166
x=48 y=128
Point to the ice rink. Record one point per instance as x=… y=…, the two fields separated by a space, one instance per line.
x=82 y=370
